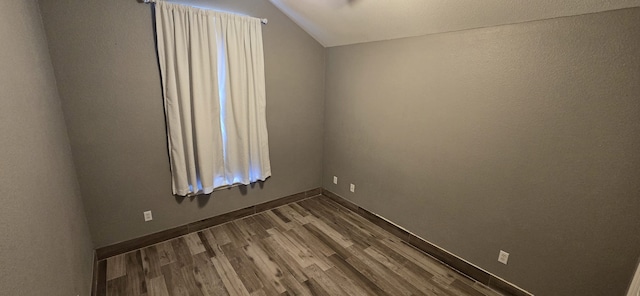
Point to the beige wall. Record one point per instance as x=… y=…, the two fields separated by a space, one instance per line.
x=522 y=137
x=45 y=246
x=107 y=73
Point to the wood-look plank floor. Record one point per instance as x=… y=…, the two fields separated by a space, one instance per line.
x=310 y=247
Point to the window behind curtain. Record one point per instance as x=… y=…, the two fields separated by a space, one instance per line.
x=212 y=69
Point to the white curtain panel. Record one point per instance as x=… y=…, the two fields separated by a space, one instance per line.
x=212 y=69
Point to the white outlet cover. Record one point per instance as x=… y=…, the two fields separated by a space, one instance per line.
x=352 y=188
x=335 y=180
x=147 y=216
x=503 y=257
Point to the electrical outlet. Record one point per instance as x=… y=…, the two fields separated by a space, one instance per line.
x=147 y=216
x=335 y=180
x=352 y=188
x=503 y=257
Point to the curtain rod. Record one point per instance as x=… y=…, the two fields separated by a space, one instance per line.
x=264 y=21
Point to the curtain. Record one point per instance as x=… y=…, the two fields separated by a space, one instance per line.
x=212 y=70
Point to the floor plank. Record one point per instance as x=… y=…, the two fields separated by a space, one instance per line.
x=206 y=276
x=157 y=287
x=150 y=262
x=116 y=267
x=229 y=277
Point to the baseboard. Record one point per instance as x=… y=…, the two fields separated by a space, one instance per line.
x=101 y=278
x=94 y=277
x=154 y=238
x=432 y=250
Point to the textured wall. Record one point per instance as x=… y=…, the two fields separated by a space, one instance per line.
x=104 y=58
x=521 y=137
x=45 y=246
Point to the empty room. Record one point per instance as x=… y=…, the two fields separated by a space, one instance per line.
x=319 y=147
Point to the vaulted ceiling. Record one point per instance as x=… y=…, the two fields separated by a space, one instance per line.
x=342 y=22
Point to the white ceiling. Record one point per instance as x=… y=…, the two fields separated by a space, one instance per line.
x=341 y=22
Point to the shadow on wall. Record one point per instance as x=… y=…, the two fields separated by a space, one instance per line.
x=203 y=199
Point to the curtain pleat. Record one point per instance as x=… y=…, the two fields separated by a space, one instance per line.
x=212 y=69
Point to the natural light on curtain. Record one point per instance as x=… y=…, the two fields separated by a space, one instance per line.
x=212 y=69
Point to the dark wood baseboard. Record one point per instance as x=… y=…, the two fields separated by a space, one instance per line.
x=154 y=238
x=94 y=278
x=101 y=287
x=432 y=250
